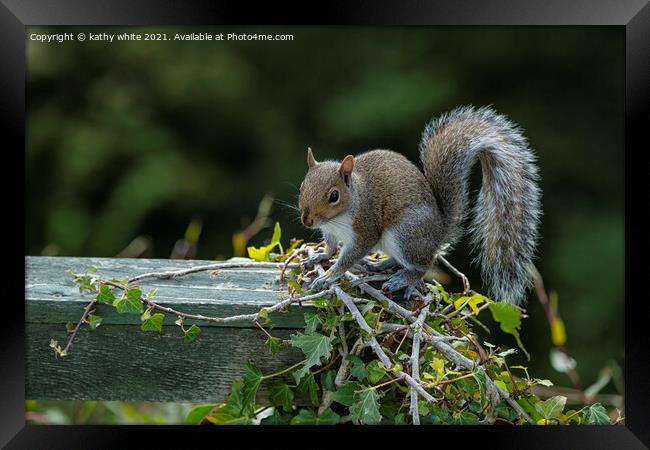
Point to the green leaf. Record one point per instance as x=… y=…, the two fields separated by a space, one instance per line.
x=465 y=418
x=94 y=321
x=69 y=327
x=198 y=412
x=234 y=406
x=191 y=334
x=366 y=409
x=358 y=369
x=314 y=346
x=345 y=394
x=276 y=419
x=596 y=414
x=308 y=385
x=307 y=417
x=274 y=343
x=92 y=269
x=105 y=295
x=376 y=371
x=280 y=394
x=312 y=321
x=472 y=302
x=507 y=315
x=153 y=323
x=509 y=318
x=551 y=408
x=252 y=380
x=263 y=313
x=481 y=380
x=260 y=254
x=277 y=234
x=129 y=303
x=327 y=380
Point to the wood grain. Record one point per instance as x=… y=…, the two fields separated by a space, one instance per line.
x=120 y=362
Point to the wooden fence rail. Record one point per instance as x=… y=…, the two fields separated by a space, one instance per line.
x=118 y=361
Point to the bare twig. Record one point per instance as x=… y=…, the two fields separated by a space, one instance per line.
x=215 y=266
x=415 y=358
x=349 y=302
x=84 y=316
x=458 y=273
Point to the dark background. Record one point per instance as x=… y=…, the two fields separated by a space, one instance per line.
x=137 y=139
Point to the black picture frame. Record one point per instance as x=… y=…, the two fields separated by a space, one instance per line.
x=634 y=15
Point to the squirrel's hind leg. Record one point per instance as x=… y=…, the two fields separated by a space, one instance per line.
x=412 y=242
x=407 y=279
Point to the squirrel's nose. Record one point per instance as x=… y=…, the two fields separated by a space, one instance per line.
x=305 y=218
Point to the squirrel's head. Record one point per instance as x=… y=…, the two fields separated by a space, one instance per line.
x=325 y=191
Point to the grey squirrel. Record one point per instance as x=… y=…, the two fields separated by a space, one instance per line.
x=379 y=200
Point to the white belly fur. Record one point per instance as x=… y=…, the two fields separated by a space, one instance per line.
x=389 y=245
x=340 y=228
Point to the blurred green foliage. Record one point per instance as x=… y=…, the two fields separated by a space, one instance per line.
x=76 y=412
x=137 y=139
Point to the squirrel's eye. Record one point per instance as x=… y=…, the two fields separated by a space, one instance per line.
x=334 y=196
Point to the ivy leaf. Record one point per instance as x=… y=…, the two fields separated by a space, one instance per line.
x=366 y=409
x=308 y=385
x=94 y=321
x=312 y=321
x=191 y=334
x=376 y=371
x=263 y=313
x=509 y=318
x=543 y=382
x=274 y=343
x=280 y=394
x=276 y=419
x=596 y=414
x=358 y=369
x=262 y=253
x=69 y=327
x=307 y=417
x=252 y=380
x=129 y=303
x=481 y=380
x=198 y=412
x=472 y=302
x=327 y=380
x=105 y=295
x=277 y=234
x=506 y=412
x=465 y=418
x=551 y=408
x=259 y=254
x=345 y=394
x=314 y=346
x=153 y=323
x=234 y=406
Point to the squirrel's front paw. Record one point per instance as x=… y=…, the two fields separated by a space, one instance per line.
x=323 y=282
x=314 y=259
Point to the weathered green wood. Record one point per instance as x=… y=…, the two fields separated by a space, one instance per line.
x=119 y=362
x=52 y=297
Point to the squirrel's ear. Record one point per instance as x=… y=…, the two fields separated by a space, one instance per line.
x=311 y=162
x=346 y=168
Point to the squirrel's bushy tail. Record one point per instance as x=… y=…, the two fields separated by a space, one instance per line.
x=506 y=215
